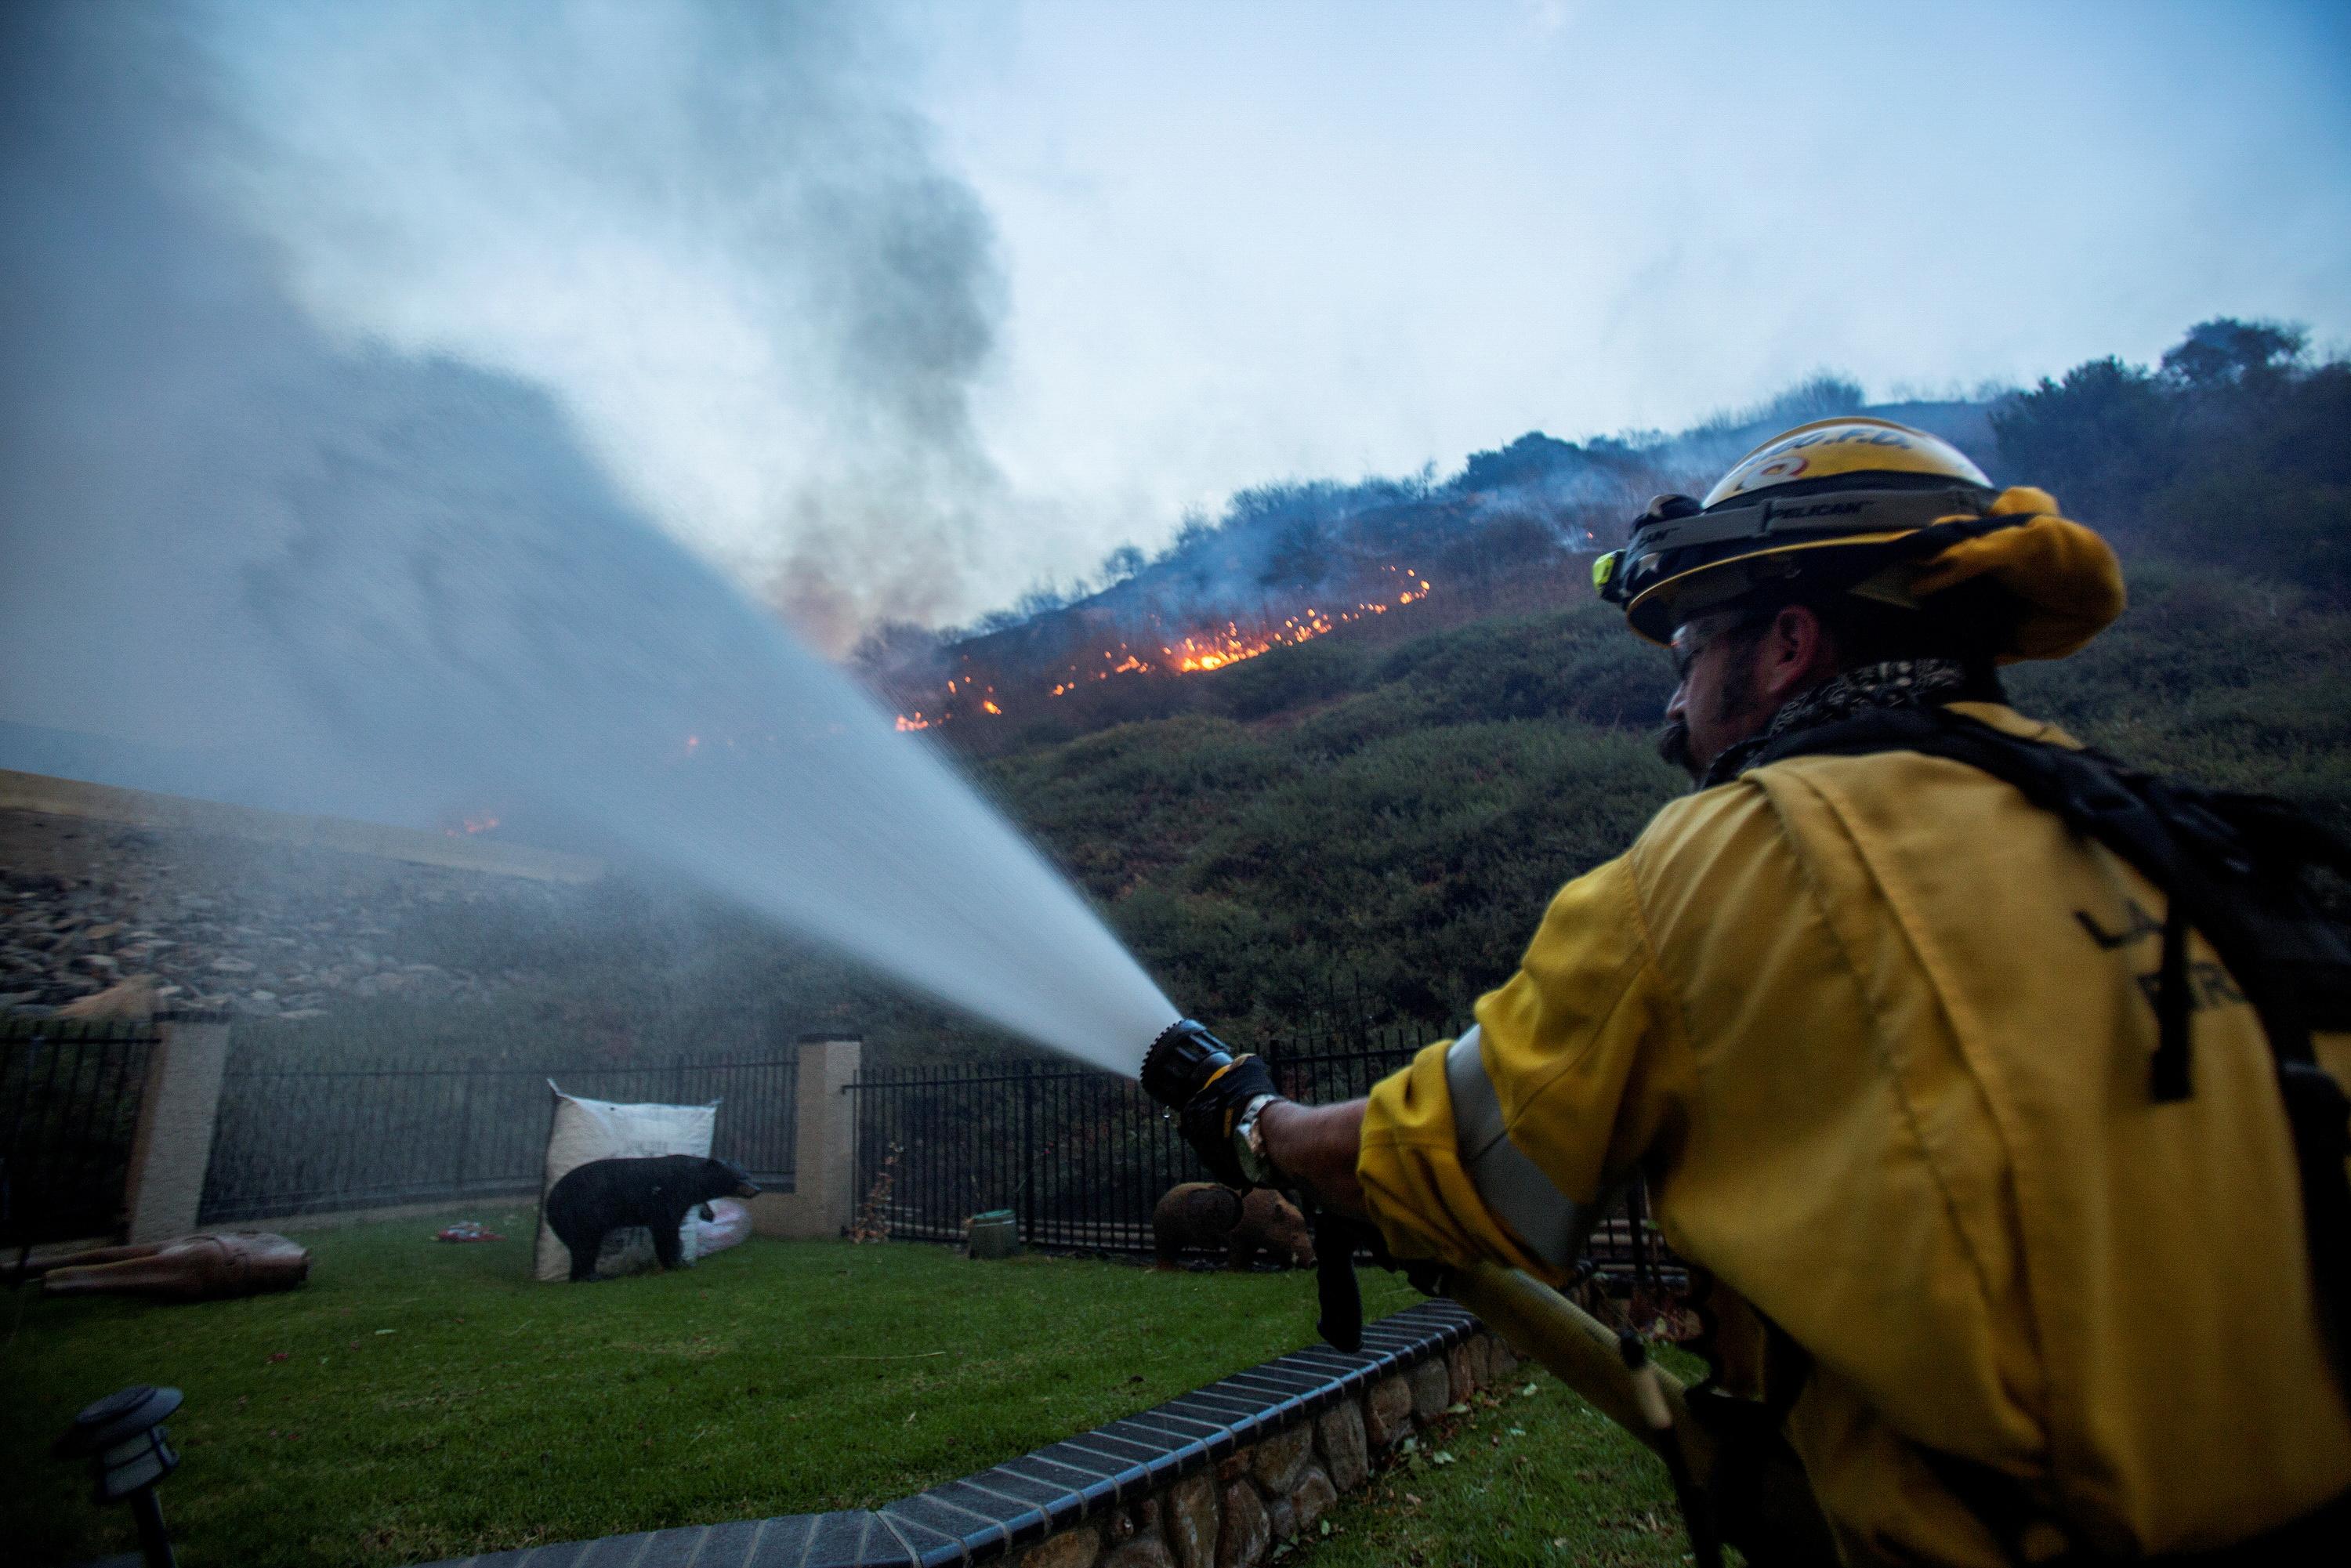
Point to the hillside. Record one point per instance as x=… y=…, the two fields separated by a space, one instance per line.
x=1384 y=827
x=1371 y=563
x=2236 y=448
x=1384 y=808
x=1369 y=818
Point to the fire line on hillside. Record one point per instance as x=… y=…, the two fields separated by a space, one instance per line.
x=1197 y=653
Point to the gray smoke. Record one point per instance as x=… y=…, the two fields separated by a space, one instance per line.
x=171 y=402
x=156 y=393
x=718 y=232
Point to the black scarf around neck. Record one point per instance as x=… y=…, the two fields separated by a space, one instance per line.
x=1896 y=684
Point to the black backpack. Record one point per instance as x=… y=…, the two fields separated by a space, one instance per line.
x=2237 y=868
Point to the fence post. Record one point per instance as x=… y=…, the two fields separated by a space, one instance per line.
x=172 y=1145
x=823 y=1199
x=1636 y=1221
x=465 y=1118
x=1026 y=1204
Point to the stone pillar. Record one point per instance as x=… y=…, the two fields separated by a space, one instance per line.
x=173 y=1143
x=823 y=1199
x=825 y=1152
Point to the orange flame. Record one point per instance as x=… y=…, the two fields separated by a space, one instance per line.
x=1215 y=651
x=1202 y=652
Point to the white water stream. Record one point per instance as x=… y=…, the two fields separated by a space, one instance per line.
x=583 y=657
x=387 y=585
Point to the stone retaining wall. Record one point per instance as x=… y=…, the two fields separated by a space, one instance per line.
x=1233 y=1516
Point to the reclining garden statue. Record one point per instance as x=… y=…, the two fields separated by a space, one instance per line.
x=210 y=1266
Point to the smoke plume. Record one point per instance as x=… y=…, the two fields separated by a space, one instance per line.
x=713 y=230
x=718 y=233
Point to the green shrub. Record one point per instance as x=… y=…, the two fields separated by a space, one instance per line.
x=1290 y=678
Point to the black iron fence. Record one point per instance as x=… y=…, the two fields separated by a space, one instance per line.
x=1081 y=1157
x=69 y=1096
x=293 y=1138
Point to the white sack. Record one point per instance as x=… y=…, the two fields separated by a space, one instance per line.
x=629 y=1249
x=730 y=1222
x=587 y=1130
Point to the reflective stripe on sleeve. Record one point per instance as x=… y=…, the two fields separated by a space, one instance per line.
x=1511 y=1186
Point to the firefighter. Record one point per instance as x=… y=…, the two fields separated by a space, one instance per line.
x=1876 y=1029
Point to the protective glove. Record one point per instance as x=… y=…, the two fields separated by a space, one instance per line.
x=1196 y=1075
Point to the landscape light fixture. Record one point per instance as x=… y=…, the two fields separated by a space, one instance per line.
x=123 y=1438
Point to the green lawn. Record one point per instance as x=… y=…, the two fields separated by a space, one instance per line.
x=418 y=1400
x=1527 y=1473
x=432 y=1400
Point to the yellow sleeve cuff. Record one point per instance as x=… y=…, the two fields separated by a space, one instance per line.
x=1565 y=1044
x=1414 y=1185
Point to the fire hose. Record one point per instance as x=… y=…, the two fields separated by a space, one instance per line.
x=1735 y=1482
x=1612 y=1371
x=1771 y=1515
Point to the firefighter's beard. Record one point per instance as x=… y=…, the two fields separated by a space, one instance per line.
x=1674 y=746
x=1728 y=714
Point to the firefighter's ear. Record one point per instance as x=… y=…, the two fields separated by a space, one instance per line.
x=1794 y=654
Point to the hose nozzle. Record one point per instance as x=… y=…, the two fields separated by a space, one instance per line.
x=1181 y=1062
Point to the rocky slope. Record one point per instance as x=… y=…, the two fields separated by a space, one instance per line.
x=183 y=920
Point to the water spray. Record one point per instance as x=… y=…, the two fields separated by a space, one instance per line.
x=385 y=585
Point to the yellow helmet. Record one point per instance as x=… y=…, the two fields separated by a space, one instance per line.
x=1864 y=505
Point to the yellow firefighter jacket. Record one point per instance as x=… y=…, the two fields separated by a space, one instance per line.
x=1877 y=1031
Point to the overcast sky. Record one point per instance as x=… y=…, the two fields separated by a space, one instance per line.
x=932 y=307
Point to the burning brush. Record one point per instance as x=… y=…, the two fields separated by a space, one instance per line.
x=1199 y=652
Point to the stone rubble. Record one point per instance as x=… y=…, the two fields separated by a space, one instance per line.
x=128 y=919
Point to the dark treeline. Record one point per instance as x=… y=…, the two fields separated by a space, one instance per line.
x=2235 y=451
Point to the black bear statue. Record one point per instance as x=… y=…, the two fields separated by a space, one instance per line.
x=606 y=1195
